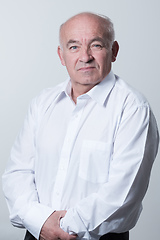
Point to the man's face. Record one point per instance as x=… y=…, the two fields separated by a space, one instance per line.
x=85 y=51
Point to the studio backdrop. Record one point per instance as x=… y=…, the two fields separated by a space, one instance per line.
x=29 y=63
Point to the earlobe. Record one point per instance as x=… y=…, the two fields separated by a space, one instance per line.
x=115 y=49
x=60 y=54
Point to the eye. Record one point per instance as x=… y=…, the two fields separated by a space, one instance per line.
x=96 y=46
x=73 y=48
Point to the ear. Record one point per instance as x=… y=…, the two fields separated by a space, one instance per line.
x=115 y=49
x=60 y=54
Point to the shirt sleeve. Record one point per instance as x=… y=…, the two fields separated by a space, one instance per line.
x=22 y=197
x=114 y=207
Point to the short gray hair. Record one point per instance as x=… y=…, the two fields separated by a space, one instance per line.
x=108 y=25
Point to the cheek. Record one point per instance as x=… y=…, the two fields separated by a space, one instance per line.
x=70 y=61
x=105 y=65
x=102 y=62
x=102 y=59
x=70 y=66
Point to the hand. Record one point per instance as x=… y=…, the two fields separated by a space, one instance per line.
x=51 y=228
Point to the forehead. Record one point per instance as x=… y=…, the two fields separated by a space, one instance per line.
x=82 y=28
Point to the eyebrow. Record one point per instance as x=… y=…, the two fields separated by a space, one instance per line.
x=72 y=41
x=99 y=39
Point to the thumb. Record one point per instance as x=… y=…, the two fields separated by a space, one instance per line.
x=62 y=213
x=66 y=236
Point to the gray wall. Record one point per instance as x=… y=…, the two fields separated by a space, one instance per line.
x=29 y=63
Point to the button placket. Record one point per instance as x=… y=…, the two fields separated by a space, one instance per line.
x=66 y=152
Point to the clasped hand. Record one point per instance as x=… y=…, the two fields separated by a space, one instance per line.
x=51 y=228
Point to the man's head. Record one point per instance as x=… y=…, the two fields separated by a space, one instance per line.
x=87 y=48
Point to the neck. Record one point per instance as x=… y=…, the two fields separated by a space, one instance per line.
x=79 y=90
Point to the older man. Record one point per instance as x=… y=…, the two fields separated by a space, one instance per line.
x=81 y=164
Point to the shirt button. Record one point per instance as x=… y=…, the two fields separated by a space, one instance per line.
x=62 y=168
x=57 y=193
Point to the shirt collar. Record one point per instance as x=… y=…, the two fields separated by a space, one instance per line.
x=64 y=90
x=99 y=93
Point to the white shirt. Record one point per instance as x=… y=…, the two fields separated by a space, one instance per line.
x=92 y=159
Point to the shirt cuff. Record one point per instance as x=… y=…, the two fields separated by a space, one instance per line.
x=73 y=224
x=35 y=218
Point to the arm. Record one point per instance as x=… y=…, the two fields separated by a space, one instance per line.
x=20 y=188
x=115 y=205
x=19 y=179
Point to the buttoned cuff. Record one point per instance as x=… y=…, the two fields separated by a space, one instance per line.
x=73 y=224
x=35 y=218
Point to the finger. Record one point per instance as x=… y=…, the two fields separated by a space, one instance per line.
x=62 y=213
x=64 y=235
x=73 y=236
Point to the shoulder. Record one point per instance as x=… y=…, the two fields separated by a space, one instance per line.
x=46 y=98
x=49 y=94
x=129 y=94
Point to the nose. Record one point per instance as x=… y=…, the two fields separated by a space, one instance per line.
x=85 y=55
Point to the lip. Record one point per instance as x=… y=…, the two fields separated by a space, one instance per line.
x=84 y=69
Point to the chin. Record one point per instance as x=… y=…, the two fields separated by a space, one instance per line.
x=90 y=81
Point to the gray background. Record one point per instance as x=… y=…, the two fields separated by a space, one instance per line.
x=29 y=63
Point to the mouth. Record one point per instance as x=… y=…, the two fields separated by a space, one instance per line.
x=86 y=69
